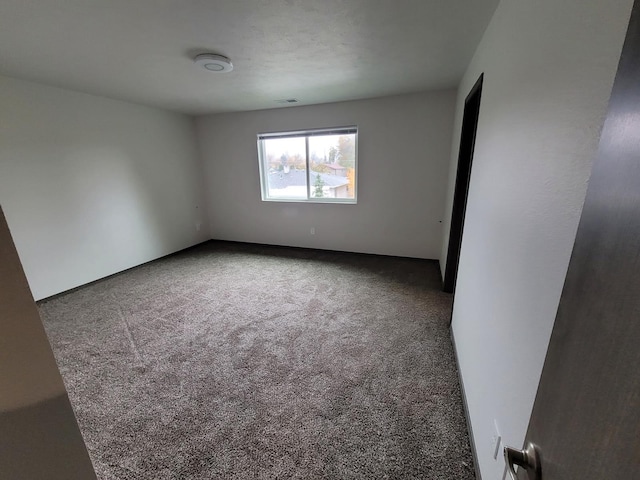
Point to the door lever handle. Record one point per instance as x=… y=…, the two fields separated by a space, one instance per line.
x=529 y=459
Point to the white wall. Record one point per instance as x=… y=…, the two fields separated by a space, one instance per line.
x=92 y=186
x=404 y=145
x=549 y=67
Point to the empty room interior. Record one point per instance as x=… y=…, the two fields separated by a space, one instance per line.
x=235 y=223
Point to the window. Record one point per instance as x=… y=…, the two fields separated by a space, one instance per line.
x=309 y=166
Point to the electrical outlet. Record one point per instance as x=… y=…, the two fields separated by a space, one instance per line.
x=496 y=440
x=198 y=226
x=313 y=230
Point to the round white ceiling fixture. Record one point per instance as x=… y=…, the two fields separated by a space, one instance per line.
x=214 y=62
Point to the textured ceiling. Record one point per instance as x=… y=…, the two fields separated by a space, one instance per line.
x=314 y=50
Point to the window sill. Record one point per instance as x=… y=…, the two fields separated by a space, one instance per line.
x=339 y=201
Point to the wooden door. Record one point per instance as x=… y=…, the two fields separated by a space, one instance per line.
x=586 y=417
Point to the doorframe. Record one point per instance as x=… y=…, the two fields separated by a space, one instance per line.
x=463 y=179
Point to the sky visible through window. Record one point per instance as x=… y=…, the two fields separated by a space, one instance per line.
x=319 y=146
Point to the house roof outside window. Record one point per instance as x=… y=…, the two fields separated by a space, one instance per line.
x=296 y=178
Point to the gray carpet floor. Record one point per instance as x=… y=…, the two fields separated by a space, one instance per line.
x=241 y=361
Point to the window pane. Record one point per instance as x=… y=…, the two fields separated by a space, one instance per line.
x=309 y=165
x=332 y=160
x=285 y=168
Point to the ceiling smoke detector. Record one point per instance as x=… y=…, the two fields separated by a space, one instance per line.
x=214 y=62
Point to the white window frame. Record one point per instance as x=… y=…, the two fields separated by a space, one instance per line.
x=349 y=130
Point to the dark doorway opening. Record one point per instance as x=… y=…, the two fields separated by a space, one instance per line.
x=463 y=177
